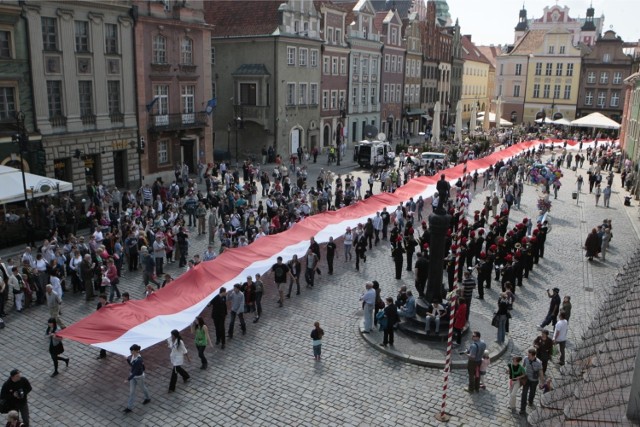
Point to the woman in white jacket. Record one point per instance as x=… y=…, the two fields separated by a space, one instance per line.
x=178 y=353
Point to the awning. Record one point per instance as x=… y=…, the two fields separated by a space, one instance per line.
x=12 y=190
x=596 y=120
x=414 y=112
x=426 y=117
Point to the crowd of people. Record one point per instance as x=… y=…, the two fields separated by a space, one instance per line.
x=146 y=229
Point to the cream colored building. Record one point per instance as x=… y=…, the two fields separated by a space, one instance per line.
x=553 y=77
x=476 y=79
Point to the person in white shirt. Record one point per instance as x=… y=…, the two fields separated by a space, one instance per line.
x=560 y=335
x=178 y=353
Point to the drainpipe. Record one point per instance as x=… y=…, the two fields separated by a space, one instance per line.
x=134 y=15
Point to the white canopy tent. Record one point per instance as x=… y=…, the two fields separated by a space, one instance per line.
x=12 y=190
x=596 y=120
x=562 y=122
x=492 y=119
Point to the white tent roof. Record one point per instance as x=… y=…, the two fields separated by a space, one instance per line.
x=596 y=120
x=492 y=119
x=562 y=122
x=11 y=189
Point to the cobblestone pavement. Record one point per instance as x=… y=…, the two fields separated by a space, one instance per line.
x=269 y=377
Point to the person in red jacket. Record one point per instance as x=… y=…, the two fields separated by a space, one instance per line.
x=459 y=320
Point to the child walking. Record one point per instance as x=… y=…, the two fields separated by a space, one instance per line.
x=316 y=335
x=484 y=365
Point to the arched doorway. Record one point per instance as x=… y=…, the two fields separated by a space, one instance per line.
x=295 y=139
x=557 y=116
x=326 y=136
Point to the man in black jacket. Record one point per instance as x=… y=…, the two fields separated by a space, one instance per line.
x=218 y=314
x=391 y=314
x=15 y=391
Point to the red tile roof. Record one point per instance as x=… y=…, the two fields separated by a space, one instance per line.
x=233 y=18
x=471 y=53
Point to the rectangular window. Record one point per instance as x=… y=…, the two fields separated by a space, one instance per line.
x=617 y=78
x=49 y=33
x=400 y=63
x=394 y=36
x=501 y=69
x=354 y=65
x=186 y=51
x=334 y=99
x=561 y=50
x=304 y=53
x=343 y=66
x=291 y=56
x=163 y=151
x=374 y=66
x=85 y=93
x=162 y=104
x=302 y=94
x=334 y=65
x=325 y=65
x=338 y=36
x=559 y=69
x=516 y=91
x=567 y=92
x=159 y=49
x=313 y=94
x=54 y=97
x=518 y=69
x=615 y=99
x=374 y=96
x=113 y=96
x=385 y=93
x=591 y=77
x=549 y=69
x=213 y=55
x=393 y=63
x=602 y=96
x=569 y=70
x=330 y=35
x=604 y=78
x=7 y=103
x=538 y=68
x=111 y=39
x=365 y=66
x=398 y=93
x=291 y=94
x=364 y=96
x=546 y=90
x=387 y=62
x=314 y=58
x=248 y=94
x=536 y=90
x=325 y=100
x=354 y=96
x=606 y=58
x=552 y=50
x=82 y=36
x=588 y=98
x=556 y=91
x=214 y=90
x=5 y=44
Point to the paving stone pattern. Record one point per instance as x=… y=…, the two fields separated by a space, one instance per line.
x=269 y=376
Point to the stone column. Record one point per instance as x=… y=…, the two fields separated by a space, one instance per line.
x=438 y=225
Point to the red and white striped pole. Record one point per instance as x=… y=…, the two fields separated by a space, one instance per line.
x=443 y=416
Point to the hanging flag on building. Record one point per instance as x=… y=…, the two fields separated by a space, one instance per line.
x=152 y=103
x=213 y=103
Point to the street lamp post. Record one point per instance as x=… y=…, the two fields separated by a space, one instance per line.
x=22 y=139
x=238 y=121
x=339 y=131
x=228 y=140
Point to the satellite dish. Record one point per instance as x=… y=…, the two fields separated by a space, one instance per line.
x=382 y=137
x=370 y=131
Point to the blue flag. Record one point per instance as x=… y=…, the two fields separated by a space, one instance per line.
x=213 y=103
x=152 y=103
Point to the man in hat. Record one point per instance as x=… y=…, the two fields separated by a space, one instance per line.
x=554 y=308
x=14 y=392
x=508 y=272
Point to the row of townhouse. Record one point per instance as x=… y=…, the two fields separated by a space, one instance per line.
x=120 y=92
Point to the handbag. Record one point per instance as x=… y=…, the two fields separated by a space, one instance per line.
x=494 y=321
x=523 y=381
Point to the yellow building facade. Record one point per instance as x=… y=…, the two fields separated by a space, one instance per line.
x=553 y=77
x=477 y=77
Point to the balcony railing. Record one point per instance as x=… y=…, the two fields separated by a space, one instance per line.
x=88 y=119
x=162 y=68
x=58 y=121
x=188 y=68
x=160 y=122
x=116 y=117
x=255 y=112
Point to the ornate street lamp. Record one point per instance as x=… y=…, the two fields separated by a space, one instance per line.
x=22 y=140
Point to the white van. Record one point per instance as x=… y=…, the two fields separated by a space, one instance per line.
x=427 y=156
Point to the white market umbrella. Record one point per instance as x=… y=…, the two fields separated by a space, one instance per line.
x=596 y=120
x=562 y=122
x=474 y=117
x=435 y=129
x=458 y=134
x=498 y=112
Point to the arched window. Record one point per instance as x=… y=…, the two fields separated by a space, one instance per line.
x=159 y=49
x=186 y=51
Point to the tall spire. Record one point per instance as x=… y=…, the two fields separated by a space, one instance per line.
x=523 y=24
x=589 y=25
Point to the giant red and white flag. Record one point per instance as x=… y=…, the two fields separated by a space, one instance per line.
x=148 y=321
